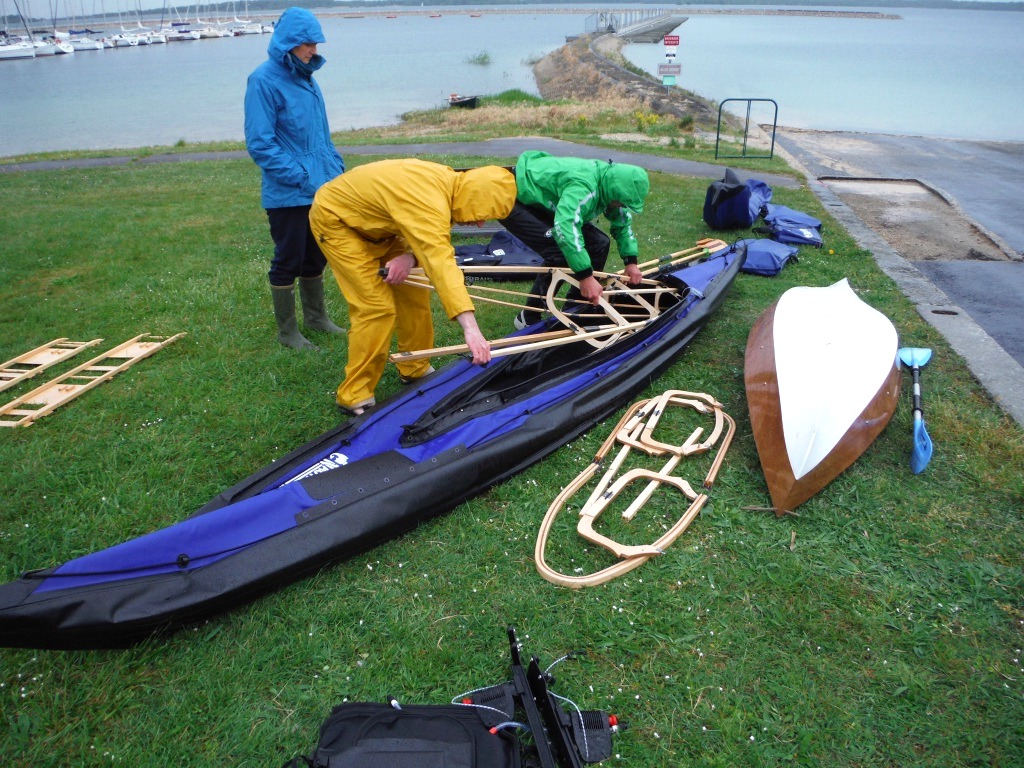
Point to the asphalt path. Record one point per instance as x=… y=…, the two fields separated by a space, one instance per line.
x=510 y=148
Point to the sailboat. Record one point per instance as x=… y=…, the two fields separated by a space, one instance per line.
x=11 y=48
x=84 y=39
x=14 y=47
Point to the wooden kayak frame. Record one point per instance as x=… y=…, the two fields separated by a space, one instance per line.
x=599 y=337
x=635 y=430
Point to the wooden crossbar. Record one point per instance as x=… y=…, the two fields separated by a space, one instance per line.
x=514 y=345
x=33 y=363
x=23 y=411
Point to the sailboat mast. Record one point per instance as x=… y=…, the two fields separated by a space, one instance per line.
x=24 y=21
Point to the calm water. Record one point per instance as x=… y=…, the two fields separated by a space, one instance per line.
x=937 y=73
x=377 y=68
x=943 y=73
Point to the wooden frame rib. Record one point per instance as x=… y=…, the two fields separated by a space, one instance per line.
x=23 y=411
x=633 y=431
x=514 y=345
x=33 y=363
x=615 y=287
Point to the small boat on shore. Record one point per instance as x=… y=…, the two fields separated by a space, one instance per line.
x=822 y=378
x=415 y=456
x=463 y=102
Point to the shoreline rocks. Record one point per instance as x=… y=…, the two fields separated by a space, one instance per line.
x=579 y=70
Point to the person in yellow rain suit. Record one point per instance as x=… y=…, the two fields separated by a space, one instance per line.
x=398 y=214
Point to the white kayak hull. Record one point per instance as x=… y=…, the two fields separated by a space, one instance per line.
x=822 y=378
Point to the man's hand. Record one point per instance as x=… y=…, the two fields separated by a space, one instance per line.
x=399 y=267
x=478 y=345
x=591 y=290
x=633 y=274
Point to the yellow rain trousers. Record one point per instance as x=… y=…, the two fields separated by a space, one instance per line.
x=368 y=215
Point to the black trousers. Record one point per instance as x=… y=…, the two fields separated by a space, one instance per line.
x=533 y=224
x=296 y=253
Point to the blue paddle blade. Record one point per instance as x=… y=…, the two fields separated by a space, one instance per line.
x=911 y=356
x=922 y=451
x=916 y=358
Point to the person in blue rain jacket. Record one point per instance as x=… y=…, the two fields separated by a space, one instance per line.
x=287 y=134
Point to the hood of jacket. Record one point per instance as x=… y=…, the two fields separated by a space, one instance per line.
x=627 y=184
x=295 y=27
x=483 y=193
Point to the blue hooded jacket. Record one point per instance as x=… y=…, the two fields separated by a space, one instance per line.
x=286 y=129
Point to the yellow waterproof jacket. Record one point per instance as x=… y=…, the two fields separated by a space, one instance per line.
x=419 y=201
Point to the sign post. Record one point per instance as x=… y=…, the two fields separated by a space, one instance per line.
x=670 y=69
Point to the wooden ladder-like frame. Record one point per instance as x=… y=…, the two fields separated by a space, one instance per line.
x=32 y=363
x=23 y=411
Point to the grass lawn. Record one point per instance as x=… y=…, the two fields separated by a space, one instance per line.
x=882 y=626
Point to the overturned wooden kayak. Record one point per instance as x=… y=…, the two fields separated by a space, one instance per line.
x=822 y=379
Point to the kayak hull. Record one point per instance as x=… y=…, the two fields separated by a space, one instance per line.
x=413 y=457
x=822 y=381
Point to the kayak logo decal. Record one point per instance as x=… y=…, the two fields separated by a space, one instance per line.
x=333 y=461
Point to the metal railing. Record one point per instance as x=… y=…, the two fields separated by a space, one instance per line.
x=746 y=129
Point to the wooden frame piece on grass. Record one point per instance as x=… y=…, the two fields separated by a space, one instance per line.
x=638 y=422
x=42 y=400
x=33 y=363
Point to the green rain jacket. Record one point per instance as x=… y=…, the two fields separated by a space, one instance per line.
x=578 y=191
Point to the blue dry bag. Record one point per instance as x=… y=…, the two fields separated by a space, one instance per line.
x=789 y=226
x=766 y=257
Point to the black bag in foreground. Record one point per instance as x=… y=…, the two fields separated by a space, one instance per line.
x=481 y=731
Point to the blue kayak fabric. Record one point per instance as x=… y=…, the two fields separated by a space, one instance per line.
x=414 y=456
x=503 y=250
x=198 y=541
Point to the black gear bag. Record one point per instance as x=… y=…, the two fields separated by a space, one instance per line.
x=481 y=732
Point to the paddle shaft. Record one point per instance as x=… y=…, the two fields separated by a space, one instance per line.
x=918 y=411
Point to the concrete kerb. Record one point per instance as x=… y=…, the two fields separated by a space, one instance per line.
x=991 y=365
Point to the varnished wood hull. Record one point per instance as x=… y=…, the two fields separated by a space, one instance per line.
x=822 y=381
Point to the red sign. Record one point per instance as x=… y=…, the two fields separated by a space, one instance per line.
x=671 y=39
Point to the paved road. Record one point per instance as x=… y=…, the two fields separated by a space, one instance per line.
x=985 y=178
x=977 y=305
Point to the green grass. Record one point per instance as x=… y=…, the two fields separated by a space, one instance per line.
x=883 y=626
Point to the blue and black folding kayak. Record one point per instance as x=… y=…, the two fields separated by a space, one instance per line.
x=413 y=457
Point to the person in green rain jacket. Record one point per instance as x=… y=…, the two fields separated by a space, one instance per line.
x=287 y=135
x=557 y=199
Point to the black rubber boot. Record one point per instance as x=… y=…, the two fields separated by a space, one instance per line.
x=284 y=312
